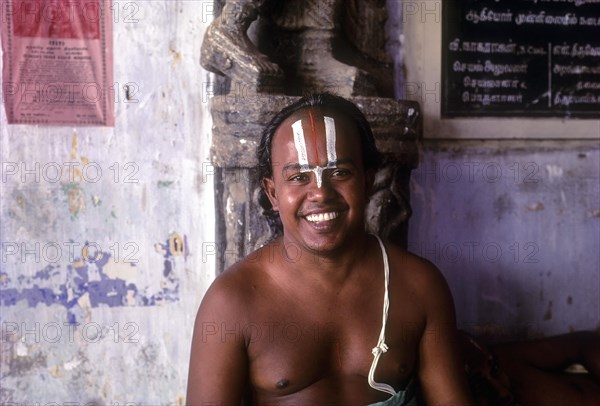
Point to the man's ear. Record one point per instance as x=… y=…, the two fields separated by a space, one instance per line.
x=369 y=181
x=269 y=186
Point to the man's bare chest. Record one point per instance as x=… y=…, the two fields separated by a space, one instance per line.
x=292 y=346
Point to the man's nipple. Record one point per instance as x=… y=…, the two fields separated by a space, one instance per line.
x=282 y=384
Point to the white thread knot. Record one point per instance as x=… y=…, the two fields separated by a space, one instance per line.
x=380 y=349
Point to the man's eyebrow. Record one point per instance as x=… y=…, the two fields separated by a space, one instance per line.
x=297 y=167
x=292 y=167
x=345 y=161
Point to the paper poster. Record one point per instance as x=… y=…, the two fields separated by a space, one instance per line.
x=57 y=62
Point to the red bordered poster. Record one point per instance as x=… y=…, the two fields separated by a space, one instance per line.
x=57 y=62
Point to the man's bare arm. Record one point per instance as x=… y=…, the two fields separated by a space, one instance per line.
x=218 y=361
x=441 y=370
x=536 y=369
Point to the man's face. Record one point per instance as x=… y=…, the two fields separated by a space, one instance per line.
x=319 y=185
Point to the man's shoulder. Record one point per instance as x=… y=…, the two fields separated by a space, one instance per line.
x=400 y=257
x=415 y=271
x=237 y=280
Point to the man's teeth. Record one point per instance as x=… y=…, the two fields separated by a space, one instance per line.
x=322 y=216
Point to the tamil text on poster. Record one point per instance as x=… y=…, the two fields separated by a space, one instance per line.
x=57 y=62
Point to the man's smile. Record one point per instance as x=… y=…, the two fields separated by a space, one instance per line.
x=318 y=217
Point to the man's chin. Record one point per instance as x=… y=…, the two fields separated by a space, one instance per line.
x=327 y=244
x=323 y=238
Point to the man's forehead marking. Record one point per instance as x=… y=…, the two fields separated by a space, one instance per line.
x=330 y=136
x=314 y=134
x=300 y=144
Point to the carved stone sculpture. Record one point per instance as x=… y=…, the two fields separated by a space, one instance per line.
x=301 y=46
x=275 y=51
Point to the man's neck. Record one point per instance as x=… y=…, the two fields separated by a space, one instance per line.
x=328 y=267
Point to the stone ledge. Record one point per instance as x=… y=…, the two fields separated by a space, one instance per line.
x=239 y=121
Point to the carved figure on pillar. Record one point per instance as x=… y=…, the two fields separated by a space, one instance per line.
x=301 y=46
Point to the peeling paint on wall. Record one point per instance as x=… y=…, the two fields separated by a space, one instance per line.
x=98 y=280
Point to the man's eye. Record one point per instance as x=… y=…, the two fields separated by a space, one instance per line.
x=340 y=173
x=298 y=177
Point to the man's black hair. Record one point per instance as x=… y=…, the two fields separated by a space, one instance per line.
x=371 y=157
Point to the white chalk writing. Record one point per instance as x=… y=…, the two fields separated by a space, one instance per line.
x=542 y=18
x=489 y=67
x=575 y=69
x=588 y=85
x=491 y=83
x=588 y=98
x=487 y=99
x=489 y=15
x=577 y=3
x=482 y=47
x=589 y=21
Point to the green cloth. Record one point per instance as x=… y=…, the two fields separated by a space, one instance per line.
x=406 y=397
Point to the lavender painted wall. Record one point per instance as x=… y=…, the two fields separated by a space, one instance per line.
x=510 y=217
x=515 y=228
x=102 y=264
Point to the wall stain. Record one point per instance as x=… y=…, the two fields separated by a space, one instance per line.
x=164 y=183
x=20 y=358
x=548 y=314
x=537 y=206
x=75 y=198
x=72 y=187
x=96 y=201
x=176 y=55
x=20 y=200
x=503 y=205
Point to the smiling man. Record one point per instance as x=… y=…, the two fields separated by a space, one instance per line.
x=326 y=314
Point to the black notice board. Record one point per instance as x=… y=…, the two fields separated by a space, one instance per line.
x=521 y=58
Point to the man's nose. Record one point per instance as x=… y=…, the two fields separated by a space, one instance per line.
x=320 y=189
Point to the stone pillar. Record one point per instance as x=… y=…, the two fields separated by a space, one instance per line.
x=265 y=53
